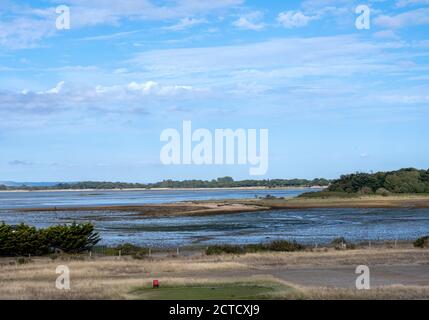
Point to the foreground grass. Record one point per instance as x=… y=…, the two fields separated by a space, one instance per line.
x=218 y=291
x=247 y=276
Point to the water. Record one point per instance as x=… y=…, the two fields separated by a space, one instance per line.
x=306 y=226
x=35 y=199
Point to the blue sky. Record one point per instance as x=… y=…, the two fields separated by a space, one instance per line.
x=90 y=103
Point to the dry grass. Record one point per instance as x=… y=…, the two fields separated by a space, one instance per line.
x=109 y=278
x=332 y=257
x=114 y=278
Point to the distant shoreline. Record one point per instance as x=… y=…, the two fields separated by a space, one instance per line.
x=164 y=189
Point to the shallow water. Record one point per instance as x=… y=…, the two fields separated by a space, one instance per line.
x=309 y=226
x=10 y=200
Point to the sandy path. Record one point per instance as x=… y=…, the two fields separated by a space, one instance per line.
x=339 y=277
x=345 y=276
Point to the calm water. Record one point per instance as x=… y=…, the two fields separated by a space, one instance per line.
x=307 y=226
x=11 y=200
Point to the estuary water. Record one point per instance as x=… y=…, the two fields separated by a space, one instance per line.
x=308 y=226
x=36 y=199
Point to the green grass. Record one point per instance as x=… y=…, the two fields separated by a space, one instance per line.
x=328 y=194
x=224 y=291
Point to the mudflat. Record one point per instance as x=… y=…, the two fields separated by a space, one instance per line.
x=161 y=210
x=216 y=207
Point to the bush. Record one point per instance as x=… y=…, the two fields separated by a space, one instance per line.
x=279 y=245
x=23 y=260
x=74 y=238
x=128 y=249
x=219 y=249
x=382 y=192
x=342 y=243
x=327 y=194
x=23 y=240
x=422 y=242
x=283 y=245
x=365 y=191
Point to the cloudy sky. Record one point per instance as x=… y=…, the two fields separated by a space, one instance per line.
x=89 y=103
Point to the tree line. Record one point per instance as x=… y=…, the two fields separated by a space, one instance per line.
x=223 y=182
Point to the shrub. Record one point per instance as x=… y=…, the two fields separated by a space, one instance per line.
x=128 y=249
x=342 y=243
x=365 y=191
x=327 y=194
x=23 y=240
x=74 y=238
x=279 y=245
x=421 y=242
x=283 y=245
x=219 y=249
x=23 y=260
x=382 y=192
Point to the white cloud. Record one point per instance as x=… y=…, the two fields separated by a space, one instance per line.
x=57 y=89
x=23 y=26
x=406 y=19
x=145 y=88
x=293 y=19
x=386 y=34
x=404 y=3
x=186 y=23
x=404 y=99
x=37 y=108
x=112 y=11
x=318 y=55
x=250 y=21
x=312 y=5
x=20 y=163
x=24 y=32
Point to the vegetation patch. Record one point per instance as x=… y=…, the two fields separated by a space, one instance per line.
x=328 y=194
x=24 y=240
x=279 y=245
x=215 y=291
x=422 y=242
x=403 y=181
x=341 y=243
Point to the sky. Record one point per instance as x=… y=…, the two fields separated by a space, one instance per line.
x=90 y=102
